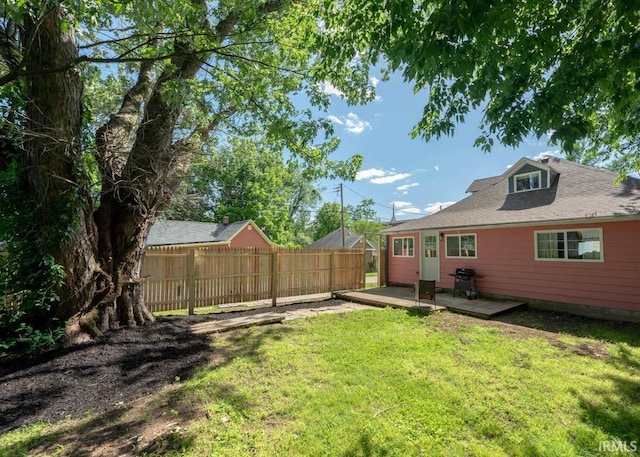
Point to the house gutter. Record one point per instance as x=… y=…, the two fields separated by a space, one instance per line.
x=587 y=220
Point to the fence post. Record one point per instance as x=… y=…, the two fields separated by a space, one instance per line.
x=192 y=281
x=331 y=274
x=274 y=278
x=365 y=266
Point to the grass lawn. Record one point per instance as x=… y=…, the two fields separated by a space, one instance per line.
x=371 y=285
x=392 y=383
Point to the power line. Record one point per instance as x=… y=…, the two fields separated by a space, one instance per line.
x=380 y=204
x=365 y=198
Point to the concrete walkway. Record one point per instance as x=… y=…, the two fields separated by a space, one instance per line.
x=217 y=326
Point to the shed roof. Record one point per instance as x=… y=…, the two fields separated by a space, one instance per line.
x=334 y=240
x=576 y=193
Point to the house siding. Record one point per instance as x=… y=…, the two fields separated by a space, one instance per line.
x=404 y=270
x=248 y=238
x=506 y=260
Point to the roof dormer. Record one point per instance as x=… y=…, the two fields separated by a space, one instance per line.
x=527 y=175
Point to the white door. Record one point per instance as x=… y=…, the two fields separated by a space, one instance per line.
x=430 y=265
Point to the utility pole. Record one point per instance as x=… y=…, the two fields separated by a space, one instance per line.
x=342 y=214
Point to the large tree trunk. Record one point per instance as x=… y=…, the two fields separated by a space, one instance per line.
x=140 y=167
x=54 y=111
x=101 y=251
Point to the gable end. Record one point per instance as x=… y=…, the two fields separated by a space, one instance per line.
x=529 y=177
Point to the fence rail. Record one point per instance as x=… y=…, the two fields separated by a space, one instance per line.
x=178 y=279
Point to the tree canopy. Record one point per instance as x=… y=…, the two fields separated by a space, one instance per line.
x=361 y=219
x=567 y=70
x=104 y=106
x=245 y=180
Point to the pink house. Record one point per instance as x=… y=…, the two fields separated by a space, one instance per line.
x=555 y=234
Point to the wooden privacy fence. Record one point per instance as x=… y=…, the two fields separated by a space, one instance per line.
x=179 y=278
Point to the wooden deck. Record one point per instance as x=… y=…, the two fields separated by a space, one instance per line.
x=404 y=297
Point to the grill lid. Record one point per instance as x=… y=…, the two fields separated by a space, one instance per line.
x=465 y=272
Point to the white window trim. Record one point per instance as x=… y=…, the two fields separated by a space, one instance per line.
x=446 y=252
x=393 y=242
x=544 y=259
x=424 y=247
x=515 y=180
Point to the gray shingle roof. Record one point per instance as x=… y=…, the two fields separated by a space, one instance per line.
x=334 y=240
x=164 y=232
x=577 y=192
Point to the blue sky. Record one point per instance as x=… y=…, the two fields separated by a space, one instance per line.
x=419 y=176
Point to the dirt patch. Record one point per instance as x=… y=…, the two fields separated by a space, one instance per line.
x=109 y=373
x=551 y=326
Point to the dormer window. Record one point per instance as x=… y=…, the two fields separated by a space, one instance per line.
x=527 y=181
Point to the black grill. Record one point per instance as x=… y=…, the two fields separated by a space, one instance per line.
x=465 y=273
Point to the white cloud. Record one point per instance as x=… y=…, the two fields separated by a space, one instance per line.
x=412 y=210
x=330 y=89
x=351 y=122
x=374 y=83
x=542 y=155
x=356 y=125
x=390 y=178
x=401 y=204
x=435 y=207
x=407 y=186
x=369 y=173
x=335 y=119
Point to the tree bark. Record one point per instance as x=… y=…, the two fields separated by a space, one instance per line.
x=101 y=250
x=102 y=241
x=54 y=121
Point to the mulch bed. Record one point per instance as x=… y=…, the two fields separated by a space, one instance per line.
x=122 y=366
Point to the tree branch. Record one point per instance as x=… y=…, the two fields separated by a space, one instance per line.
x=9 y=47
x=114 y=139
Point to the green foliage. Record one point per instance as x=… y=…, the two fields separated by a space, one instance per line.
x=246 y=180
x=361 y=219
x=29 y=275
x=328 y=219
x=367 y=227
x=565 y=69
x=213 y=71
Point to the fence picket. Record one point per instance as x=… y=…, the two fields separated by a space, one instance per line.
x=176 y=280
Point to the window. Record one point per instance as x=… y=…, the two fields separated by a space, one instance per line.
x=403 y=247
x=461 y=245
x=431 y=246
x=584 y=244
x=527 y=181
